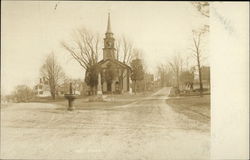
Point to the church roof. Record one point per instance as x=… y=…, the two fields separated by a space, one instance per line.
x=109 y=25
x=114 y=61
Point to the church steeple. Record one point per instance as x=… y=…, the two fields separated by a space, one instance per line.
x=109 y=47
x=109 y=25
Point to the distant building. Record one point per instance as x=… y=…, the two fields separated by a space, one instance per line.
x=42 y=88
x=77 y=87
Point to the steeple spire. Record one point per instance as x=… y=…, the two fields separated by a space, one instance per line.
x=109 y=41
x=109 y=25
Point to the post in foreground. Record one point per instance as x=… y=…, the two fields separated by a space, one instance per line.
x=70 y=97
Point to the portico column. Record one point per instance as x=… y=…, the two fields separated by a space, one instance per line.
x=130 y=88
x=99 y=86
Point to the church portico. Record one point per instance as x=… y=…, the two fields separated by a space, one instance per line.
x=114 y=76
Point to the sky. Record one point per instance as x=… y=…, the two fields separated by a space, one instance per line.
x=30 y=30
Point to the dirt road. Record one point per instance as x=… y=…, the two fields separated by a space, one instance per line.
x=145 y=129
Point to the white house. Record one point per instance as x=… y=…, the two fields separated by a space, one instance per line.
x=42 y=89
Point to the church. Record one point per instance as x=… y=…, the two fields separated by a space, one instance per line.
x=115 y=75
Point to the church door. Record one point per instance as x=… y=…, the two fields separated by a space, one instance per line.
x=109 y=87
x=117 y=89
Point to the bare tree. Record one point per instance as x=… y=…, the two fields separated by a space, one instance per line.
x=176 y=64
x=118 y=44
x=53 y=73
x=124 y=50
x=162 y=72
x=202 y=7
x=85 y=49
x=197 y=35
x=126 y=53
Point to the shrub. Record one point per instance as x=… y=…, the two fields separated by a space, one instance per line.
x=23 y=93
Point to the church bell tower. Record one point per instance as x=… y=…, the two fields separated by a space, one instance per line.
x=109 y=41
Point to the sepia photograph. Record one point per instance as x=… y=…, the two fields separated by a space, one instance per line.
x=114 y=80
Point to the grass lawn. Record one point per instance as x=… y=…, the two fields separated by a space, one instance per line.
x=196 y=107
x=83 y=102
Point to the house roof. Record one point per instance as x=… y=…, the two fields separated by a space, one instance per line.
x=114 y=61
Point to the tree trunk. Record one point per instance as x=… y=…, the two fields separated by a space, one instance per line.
x=53 y=96
x=200 y=76
x=52 y=92
x=178 y=83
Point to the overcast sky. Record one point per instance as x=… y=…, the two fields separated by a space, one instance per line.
x=32 y=29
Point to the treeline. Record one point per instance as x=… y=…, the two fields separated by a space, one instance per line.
x=177 y=73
